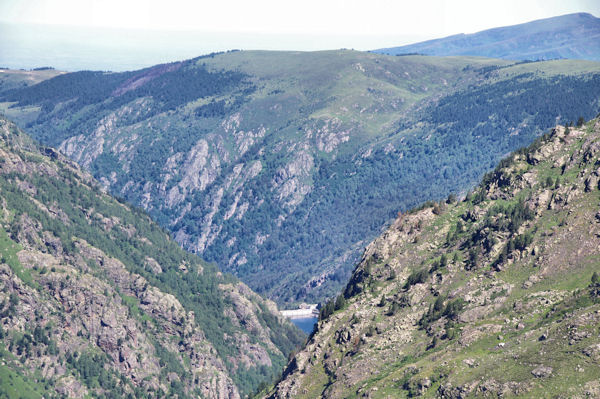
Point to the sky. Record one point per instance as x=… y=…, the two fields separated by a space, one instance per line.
x=127 y=34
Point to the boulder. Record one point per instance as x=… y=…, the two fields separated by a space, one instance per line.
x=542 y=371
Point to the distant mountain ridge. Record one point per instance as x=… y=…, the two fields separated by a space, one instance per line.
x=573 y=36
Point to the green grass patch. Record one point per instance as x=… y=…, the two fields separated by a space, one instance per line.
x=14 y=385
x=132 y=304
x=8 y=255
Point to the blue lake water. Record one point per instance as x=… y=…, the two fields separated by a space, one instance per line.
x=305 y=324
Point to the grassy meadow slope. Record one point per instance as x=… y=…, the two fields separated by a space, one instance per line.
x=495 y=295
x=281 y=166
x=97 y=301
x=13 y=79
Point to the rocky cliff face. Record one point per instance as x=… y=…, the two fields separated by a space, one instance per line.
x=260 y=161
x=493 y=296
x=97 y=301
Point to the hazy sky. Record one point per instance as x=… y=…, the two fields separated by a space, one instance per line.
x=378 y=17
x=216 y=25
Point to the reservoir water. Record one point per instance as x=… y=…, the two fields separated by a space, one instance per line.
x=306 y=324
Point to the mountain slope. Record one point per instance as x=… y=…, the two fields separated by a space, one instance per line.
x=263 y=161
x=97 y=300
x=496 y=295
x=575 y=36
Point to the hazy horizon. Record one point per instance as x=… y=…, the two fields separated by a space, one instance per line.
x=121 y=35
x=70 y=48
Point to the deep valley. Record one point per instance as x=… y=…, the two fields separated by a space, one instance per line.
x=415 y=221
x=281 y=166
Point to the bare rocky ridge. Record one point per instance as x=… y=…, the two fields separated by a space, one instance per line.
x=73 y=297
x=493 y=296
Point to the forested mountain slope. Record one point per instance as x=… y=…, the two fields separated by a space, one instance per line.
x=281 y=166
x=97 y=301
x=574 y=36
x=494 y=296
